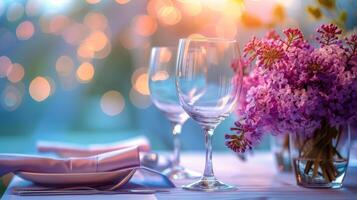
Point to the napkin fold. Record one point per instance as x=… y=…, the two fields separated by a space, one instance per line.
x=70 y=150
x=109 y=161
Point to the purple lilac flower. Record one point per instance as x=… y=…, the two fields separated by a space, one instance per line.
x=294 y=86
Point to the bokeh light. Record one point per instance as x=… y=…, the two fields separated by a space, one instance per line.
x=85 y=52
x=15 y=11
x=104 y=52
x=25 y=30
x=169 y=15
x=196 y=36
x=96 y=21
x=5 y=66
x=122 y=1
x=160 y=76
x=165 y=55
x=16 y=74
x=191 y=7
x=93 y=1
x=112 y=103
x=141 y=84
x=144 y=25
x=85 y=72
x=56 y=6
x=11 y=98
x=64 y=65
x=96 y=41
x=40 y=89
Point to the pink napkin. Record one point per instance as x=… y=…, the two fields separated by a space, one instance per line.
x=114 y=160
x=68 y=150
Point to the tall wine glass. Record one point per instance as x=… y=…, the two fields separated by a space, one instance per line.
x=208 y=90
x=163 y=94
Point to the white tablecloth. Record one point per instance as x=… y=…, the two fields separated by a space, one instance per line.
x=256 y=179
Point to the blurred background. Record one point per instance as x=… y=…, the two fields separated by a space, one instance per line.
x=76 y=71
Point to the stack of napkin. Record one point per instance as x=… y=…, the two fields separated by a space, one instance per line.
x=70 y=150
x=81 y=159
x=109 y=161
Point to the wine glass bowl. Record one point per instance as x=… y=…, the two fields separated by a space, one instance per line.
x=163 y=94
x=208 y=88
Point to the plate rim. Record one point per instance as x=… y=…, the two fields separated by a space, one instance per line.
x=76 y=173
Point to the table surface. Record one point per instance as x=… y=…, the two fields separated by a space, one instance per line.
x=256 y=178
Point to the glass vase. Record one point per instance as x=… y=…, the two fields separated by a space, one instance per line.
x=320 y=159
x=281 y=152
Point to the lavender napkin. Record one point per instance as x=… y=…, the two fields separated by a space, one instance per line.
x=69 y=150
x=114 y=160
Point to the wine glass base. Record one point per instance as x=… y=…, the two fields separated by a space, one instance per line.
x=209 y=184
x=179 y=173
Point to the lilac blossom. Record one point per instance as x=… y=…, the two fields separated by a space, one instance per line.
x=295 y=86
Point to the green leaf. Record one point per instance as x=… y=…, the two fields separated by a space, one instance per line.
x=315 y=12
x=329 y=4
x=343 y=16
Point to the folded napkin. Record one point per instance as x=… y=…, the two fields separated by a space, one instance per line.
x=68 y=150
x=114 y=160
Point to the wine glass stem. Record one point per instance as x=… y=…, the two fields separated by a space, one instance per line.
x=176 y=131
x=208 y=166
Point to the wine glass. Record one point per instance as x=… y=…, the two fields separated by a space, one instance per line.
x=163 y=94
x=208 y=89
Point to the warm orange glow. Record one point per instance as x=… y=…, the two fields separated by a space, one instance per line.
x=251 y=21
x=160 y=76
x=15 y=11
x=39 y=89
x=85 y=51
x=196 y=36
x=122 y=1
x=165 y=55
x=137 y=73
x=25 y=30
x=217 y=5
x=16 y=73
x=104 y=52
x=145 y=25
x=226 y=28
x=64 y=66
x=96 y=21
x=169 y=15
x=141 y=84
x=112 y=103
x=93 y=1
x=85 y=72
x=96 y=41
x=58 y=24
x=139 y=100
x=153 y=6
x=5 y=66
x=191 y=7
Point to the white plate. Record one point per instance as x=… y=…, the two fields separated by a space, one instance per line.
x=96 y=178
